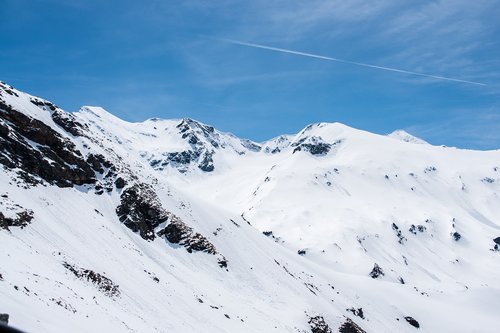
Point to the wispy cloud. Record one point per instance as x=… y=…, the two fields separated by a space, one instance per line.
x=474 y=129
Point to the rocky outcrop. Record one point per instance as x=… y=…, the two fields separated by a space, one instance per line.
x=314 y=145
x=376 y=272
x=350 y=326
x=412 y=322
x=101 y=282
x=357 y=312
x=4 y=318
x=12 y=214
x=21 y=220
x=141 y=210
x=69 y=123
x=177 y=232
x=39 y=152
x=318 y=325
x=496 y=247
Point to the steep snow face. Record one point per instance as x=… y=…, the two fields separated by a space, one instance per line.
x=406 y=137
x=107 y=225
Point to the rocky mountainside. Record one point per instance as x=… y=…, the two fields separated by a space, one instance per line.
x=172 y=225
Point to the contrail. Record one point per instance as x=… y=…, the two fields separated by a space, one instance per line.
x=347 y=61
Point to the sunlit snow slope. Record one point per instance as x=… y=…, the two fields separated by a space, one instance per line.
x=174 y=226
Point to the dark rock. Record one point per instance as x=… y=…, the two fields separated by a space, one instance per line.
x=456 y=236
x=430 y=169
x=190 y=129
x=488 y=180
x=267 y=233
x=22 y=219
x=399 y=234
x=54 y=159
x=222 y=263
x=497 y=240
x=120 y=183
x=412 y=321
x=376 y=272
x=414 y=228
x=314 y=149
x=314 y=145
x=177 y=232
x=4 y=318
x=98 y=162
x=357 y=312
x=350 y=326
x=301 y=252
x=318 y=325
x=103 y=284
x=140 y=210
x=69 y=123
x=207 y=164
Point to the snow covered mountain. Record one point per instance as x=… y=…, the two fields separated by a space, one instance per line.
x=174 y=226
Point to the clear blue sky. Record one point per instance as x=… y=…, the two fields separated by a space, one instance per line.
x=152 y=58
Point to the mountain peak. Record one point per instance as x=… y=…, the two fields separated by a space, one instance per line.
x=406 y=137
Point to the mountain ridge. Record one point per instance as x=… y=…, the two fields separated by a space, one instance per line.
x=338 y=230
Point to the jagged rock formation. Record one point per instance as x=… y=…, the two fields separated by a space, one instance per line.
x=350 y=326
x=177 y=232
x=318 y=325
x=140 y=210
x=39 y=152
x=102 y=283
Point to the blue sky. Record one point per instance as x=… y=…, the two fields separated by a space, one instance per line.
x=152 y=58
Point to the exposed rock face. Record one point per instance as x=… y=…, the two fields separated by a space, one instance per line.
x=207 y=163
x=40 y=152
x=456 y=236
x=140 y=210
x=314 y=145
x=12 y=214
x=22 y=219
x=203 y=140
x=4 y=318
x=357 y=312
x=68 y=122
x=376 y=272
x=318 y=325
x=350 y=326
x=177 y=232
x=103 y=284
x=497 y=243
x=412 y=321
x=414 y=228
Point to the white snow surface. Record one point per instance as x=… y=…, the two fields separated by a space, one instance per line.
x=406 y=137
x=340 y=208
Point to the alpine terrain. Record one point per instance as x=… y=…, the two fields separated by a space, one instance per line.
x=174 y=226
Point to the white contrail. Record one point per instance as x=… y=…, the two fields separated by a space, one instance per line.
x=347 y=61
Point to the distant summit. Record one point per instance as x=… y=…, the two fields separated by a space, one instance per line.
x=406 y=137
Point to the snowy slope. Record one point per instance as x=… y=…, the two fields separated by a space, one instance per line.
x=172 y=225
x=406 y=137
